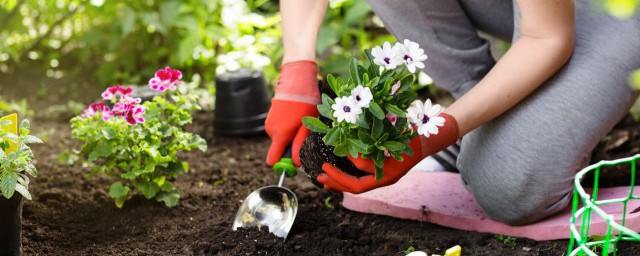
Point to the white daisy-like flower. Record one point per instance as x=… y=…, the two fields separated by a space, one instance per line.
x=386 y=56
x=362 y=95
x=346 y=109
x=425 y=116
x=411 y=54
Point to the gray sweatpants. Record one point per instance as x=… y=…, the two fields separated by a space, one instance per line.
x=520 y=166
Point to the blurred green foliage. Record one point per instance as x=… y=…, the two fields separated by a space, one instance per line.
x=116 y=41
x=119 y=40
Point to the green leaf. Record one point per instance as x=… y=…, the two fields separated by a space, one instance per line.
x=109 y=133
x=394 y=110
x=25 y=127
x=30 y=139
x=406 y=83
x=148 y=189
x=8 y=183
x=365 y=138
x=198 y=142
x=325 y=111
x=362 y=122
x=393 y=145
x=119 y=192
x=170 y=199
x=341 y=150
x=334 y=84
x=332 y=136
x=23 y=191
x=353 y=69
x=358 y=144
x=376 y=110
x=314 y=124
x=101 y=150
x=377 y=129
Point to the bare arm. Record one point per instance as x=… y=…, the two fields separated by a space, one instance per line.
x=301 y=20
x=543 y=48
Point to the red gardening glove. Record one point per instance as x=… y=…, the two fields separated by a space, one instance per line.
x=422 y=146
x=296 y=96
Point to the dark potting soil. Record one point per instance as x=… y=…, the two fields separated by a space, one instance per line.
x=73 y=215
x=314 y=153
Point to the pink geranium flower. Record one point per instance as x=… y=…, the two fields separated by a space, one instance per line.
x=106 y=113
x=165 y=79
x=117 y=92
x=93 y=109
x=134 y=116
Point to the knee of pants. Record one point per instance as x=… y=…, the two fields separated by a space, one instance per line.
x=517 y=199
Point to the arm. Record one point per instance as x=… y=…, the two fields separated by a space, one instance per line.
x=301 y=20
x=543 y=48
x=296 y=95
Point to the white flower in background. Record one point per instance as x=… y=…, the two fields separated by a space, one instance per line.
x=362 y=95
x=233 y=12
x=229 y=62
x=346 y=109
x=411 y=54
x=425 y=116
x=257 y=61
x=244 y=41
x=386 y=56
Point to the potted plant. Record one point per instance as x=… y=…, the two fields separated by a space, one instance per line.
x=16 y=165
x=138 y=143
x=367 y=115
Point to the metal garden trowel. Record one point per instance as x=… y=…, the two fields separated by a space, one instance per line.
x=271 y=206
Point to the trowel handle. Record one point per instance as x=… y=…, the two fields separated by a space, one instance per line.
x=285 y=164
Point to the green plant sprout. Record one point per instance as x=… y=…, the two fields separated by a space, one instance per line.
x=507 y=240
x=16 y=158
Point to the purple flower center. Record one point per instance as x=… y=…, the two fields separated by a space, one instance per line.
x=387 y=60
x=358 y=97
x=425 y=119
x=408 y=58
x=346 y=109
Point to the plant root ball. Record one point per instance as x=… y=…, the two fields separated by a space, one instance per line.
x=314 y=153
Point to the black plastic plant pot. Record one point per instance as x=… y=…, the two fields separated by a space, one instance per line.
x=314 y=153
x=242 y=103
x=11 y=225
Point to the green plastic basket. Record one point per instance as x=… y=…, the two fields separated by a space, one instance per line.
x=581 y=243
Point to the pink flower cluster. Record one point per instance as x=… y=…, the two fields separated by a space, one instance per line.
x=128 y=107
x=166 y=79
x=124 y=105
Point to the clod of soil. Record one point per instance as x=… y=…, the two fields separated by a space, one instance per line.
x=314 y=153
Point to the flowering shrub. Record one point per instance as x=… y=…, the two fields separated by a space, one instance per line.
x=375 y=113
x=16 y=159
x=138 y=143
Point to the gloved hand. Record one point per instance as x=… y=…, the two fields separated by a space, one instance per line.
x=335 y=179
x=296 y=96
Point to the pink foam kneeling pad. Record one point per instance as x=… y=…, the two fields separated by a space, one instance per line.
x=440 y=198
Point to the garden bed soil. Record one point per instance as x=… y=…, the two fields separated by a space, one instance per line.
x=73 y=215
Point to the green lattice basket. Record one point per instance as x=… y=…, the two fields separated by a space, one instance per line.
x=581 y=242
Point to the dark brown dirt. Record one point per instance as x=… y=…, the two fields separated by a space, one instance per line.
x=73 y=215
